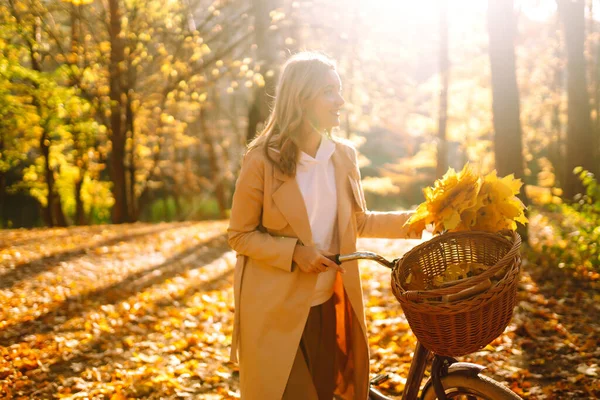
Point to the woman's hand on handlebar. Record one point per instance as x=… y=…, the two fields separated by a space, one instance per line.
x=310 y=259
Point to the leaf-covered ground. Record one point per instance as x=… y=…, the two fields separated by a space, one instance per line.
x=145 y=311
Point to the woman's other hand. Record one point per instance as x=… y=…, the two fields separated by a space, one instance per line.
x=310 y=259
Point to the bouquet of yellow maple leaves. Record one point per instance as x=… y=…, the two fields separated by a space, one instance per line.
x=466 y=201
x=442 y=283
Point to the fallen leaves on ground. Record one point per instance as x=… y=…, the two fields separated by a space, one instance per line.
x=146 y=311
x=116 y=312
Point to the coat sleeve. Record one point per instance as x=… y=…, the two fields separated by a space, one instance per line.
x=243 y=232
x=375 y=224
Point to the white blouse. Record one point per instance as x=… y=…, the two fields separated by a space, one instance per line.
x=316 y=179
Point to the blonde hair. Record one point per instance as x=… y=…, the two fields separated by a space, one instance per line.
x=302 y=75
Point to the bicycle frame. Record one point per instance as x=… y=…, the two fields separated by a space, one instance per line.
x=415 y=373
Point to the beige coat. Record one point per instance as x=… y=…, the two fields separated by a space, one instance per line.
x=272 y=295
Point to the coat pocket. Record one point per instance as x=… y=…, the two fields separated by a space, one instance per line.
x=357 y=194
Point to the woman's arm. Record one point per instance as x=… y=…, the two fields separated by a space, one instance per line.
x=375 y=224
x=246 y=210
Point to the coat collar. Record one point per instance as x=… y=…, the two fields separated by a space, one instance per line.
x=288 y=197
x=342 y=161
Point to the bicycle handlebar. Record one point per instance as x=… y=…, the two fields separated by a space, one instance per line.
x=362 y=255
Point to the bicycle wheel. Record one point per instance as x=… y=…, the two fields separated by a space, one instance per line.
x=465 y=385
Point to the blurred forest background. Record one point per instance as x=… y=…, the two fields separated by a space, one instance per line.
x=116 y=111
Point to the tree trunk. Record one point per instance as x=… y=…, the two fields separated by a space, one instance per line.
x=35 y=56
x=49 y=176
x=217 y=177
x=44 y=140
x=165 y=202
x=79 y=139
x=597 y=105
x=146 y=196
x=53 y=213
x=505 y=95
x=508 y=146
x=79 y=210
x=118 y=138
x=259 y=110
x=178 y=206
x=3 y=222
x=255 y=116
x=80 y=144
x=556 y=150
x=442 y=148
x=595 y=73
x=580 y=138
x=144 y=201
x=58 y=212
x=129 y=122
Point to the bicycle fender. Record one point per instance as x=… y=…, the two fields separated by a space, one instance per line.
x=471 y=368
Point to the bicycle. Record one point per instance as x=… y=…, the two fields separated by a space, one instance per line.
x=450 y=379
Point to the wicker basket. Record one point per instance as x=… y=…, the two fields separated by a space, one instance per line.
x=464 y=326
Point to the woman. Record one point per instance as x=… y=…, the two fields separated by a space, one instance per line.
x=299 y=330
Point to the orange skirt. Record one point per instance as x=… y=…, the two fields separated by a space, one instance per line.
x=313 y=372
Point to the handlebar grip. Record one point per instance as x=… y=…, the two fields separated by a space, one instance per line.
x=335 y=258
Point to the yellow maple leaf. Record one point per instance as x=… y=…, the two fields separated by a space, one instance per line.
x=448 y=197
x=509 y=209
x=512 y=183
x=488 y=219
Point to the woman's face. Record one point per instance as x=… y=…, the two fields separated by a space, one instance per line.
x=324 y=111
